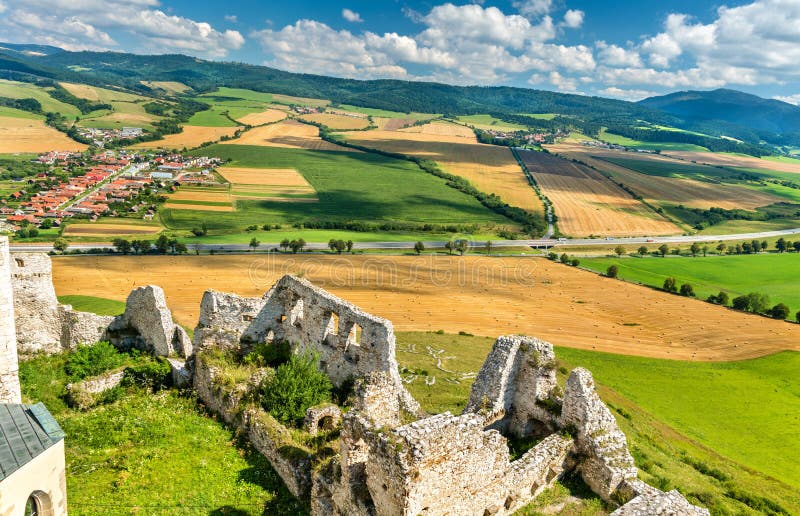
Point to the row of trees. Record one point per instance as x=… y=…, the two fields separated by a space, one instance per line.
x=755 y=246
x=162 y=245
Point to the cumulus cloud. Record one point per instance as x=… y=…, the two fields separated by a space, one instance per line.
x=534 y=8
x=789 y=99
x=573 y=19
x=613 y=55
x=632 y=95
x=89 y=24
x=232 y=18
x=351 y=16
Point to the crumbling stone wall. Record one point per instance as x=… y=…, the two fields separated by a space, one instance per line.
x=350 y=342
x=9 y=367
x=42 y=324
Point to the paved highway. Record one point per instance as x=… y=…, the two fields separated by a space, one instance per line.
x=541 y=243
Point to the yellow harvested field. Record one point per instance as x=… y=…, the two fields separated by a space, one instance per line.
x=135 y=119
x=731 y=160
x=264 y=176
x=30 y=135
x=186 y=194
x=102 y=229
x=265 y=117
x=392 y=124
x=82 y=91
x=287 y=99
x=196 y=207
x=492 y=169
x=441 y=129
x=532 y=296
x=192 y=136
x=94 y=93
x=337 y=121
x=169 y=86
x=670 y=190
x=587 y=203
x=289 y=134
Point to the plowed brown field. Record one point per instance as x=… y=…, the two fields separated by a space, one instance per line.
x=587 y=203
x=483 y=296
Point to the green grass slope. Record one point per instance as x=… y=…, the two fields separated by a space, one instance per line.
x=774 y=274
x=351 y=187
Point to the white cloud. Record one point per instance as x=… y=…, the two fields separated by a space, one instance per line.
x=573 y=19
x=232 y=18
x=534 y=8
x=632 y=95
x=565 y=84
x=351 y=16
x=613 y=55
x=789 y=99
x=89 y=24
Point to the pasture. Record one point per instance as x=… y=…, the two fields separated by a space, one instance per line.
x=616 y=139
x=191 y=137
x=350 y=187
x=19 y=134
x=486 y=296
x=492 y=169
x=337 y=122
x=299 y=101
x=23 y=90
x=774 y=274
x=128 y=110
x=289 y=134
x=663 y=407
x=587 y=203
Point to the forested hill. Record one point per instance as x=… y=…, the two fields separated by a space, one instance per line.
x=729 y=106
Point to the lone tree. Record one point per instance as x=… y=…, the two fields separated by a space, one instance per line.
x=564 y=258
x=462 y=246
x=779 y=311
x=721 y=248
x=254 y=243
x=663 y=249
x=285 y=244
x=61 y=245
x=489 y=245
x=419 y=247
x=162 y=244
x=349 y=246
x=687 y=290
x=694 y=249
x=619 y=250
x=450 y=246
x=780 y=245
x=339 y=246
x=642 y=251
x=332 y=244
x=670 y=285
x=612 y=271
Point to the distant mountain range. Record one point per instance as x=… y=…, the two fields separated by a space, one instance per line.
x=751 y=119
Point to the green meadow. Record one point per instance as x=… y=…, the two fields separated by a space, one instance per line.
x=718 y=432
x=97 y=305
x=636 y=144
x=350 y=186
x=488 y=121
x=770 y=273
x=23 y=90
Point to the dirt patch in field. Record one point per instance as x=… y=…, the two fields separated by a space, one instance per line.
x=192 y=136
x=29 y=135
x=265 y=117
x=337 y=121
x=491 y=168
x=441 y=129
x=711 y=158
x=587 y=203
x=109 y=229
x=290 y=134
x=483 y=296
x=670 y=190
x=196 y=207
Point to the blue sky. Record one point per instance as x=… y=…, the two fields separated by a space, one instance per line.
x=624 y=49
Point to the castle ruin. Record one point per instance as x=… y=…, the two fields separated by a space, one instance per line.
x=391 y=458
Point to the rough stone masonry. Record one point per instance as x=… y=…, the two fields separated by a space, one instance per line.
x=386 y=465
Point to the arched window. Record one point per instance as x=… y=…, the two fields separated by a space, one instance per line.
x=38 y=504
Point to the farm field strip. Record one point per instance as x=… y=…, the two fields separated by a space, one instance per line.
x=289 y=134
x=22 y=90
x=731 y=160
x=102 y=229
x=441 y=129
x=197 y=206
x=335 y=121
x=187 y=194
x=490 y=168
x=587 y=203
x=264 y=117
x=192 y=136
x=665 y=190
x=480 y=295
x=284 y=185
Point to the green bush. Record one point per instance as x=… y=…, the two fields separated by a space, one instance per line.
x=296 y=386
x=92 y=360
x=687 y=290
x=670 y=285
x=269 y=354
x=151 y=374
x=612 y=271
x=779 y=311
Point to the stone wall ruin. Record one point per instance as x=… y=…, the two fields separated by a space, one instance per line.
x=392 y=459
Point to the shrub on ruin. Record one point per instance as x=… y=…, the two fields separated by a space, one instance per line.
x=612 y=271
x=297 y=385
x=92 y=360
x=149 y=374
x=269 y=354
